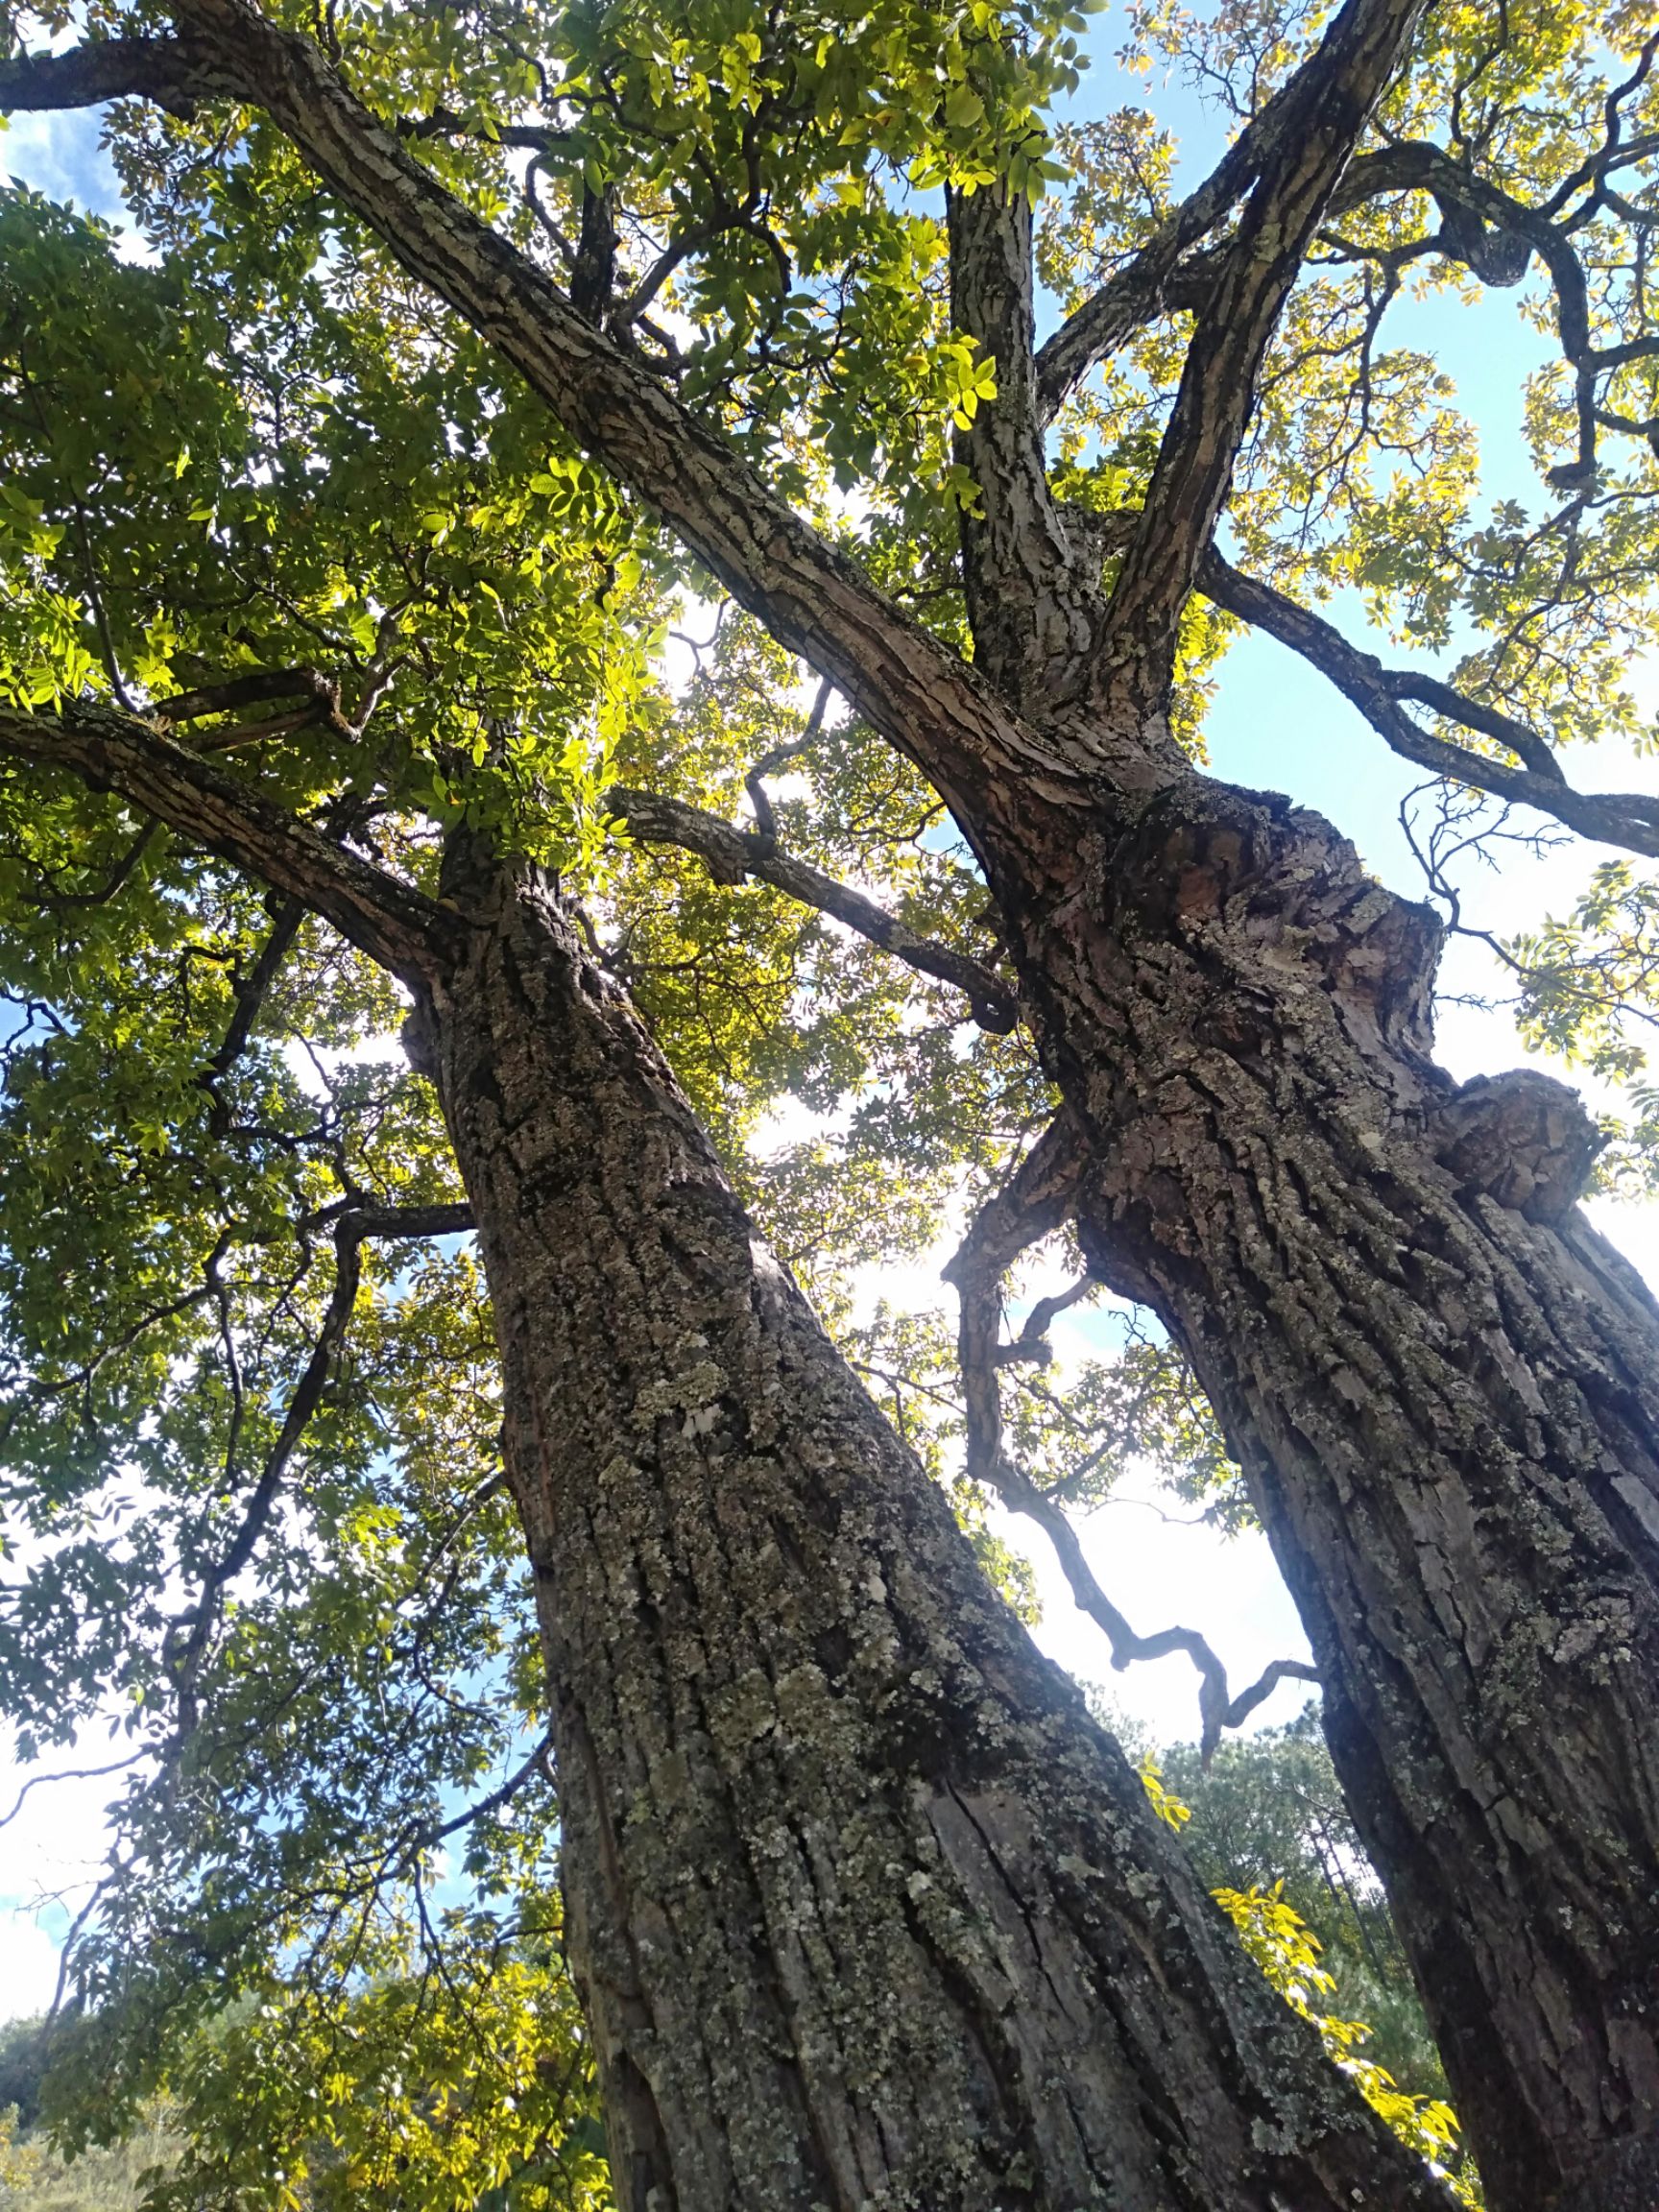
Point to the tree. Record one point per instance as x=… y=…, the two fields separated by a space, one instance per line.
x=1438 y=1381
x=812 y=1775
x=1267 y=1813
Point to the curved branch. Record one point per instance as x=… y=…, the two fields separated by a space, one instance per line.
x=774 y=762
x=1038 y=1198
x=540 y=1761
x=731 y=854
x=1216 y=394
x=188 y=1641
x=1218 y=1707
x=1629 y=820
x=396 y=925
x=1495 y=235
x=71 y=1774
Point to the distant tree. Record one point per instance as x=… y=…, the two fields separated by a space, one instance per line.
x=1268 y=1812
x=23 y=2055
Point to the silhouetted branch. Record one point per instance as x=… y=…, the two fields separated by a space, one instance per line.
x=189 y=1636
x=730 y=855
x=1035 y=1202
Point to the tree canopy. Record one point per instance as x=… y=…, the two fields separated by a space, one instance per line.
x=621 y=431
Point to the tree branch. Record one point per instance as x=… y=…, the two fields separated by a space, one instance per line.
x=1034 y=1203
x=1032 y=616
x=67 y=901
x=1629 y=820
x=1166 y=275
x=922 y=697
x=1142 y=289
x=252 y=690
x=251 y=989
x=1495 y=236
x=1216 y=393
x=70 y=1774
x=730 y=855
x=540 y=1761
x=520 y=138
x=396 y=925
x=775 y=761
x=188 y=1641
x=166 y=70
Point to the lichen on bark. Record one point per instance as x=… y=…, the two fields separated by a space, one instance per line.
x=865 y=1910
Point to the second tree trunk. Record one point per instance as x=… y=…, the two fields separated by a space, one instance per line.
x=865 y=1910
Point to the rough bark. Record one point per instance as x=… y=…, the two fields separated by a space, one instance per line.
x=1441 y=1386
x=1033 y=613
x=1445 y=1391
x=864 y=1909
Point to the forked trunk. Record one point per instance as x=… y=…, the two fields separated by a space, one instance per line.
x=865 y=1910
x=1444 y=1389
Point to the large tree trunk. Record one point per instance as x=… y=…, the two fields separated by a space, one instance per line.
x=1423 y=1384
x=1444 y=1389
x=864 y=1908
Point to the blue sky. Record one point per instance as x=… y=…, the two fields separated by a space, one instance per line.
x=1275 y=725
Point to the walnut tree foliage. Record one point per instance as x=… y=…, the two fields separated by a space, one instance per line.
x=259 y=485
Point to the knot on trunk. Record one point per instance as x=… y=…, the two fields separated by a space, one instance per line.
x=419 y=1037
x=1498 y=255
x=1275 y=885
x=1521 y=1137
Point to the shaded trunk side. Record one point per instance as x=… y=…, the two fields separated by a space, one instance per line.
x=1444 y=1389
x=864 y=1908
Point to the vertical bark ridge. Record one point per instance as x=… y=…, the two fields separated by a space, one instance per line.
x=1031 y=604
x=1444 y=1389
x=865 y=1910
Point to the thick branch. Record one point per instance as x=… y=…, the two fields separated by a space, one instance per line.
x=520 y=137
x=252 y=690
x=812 y=598
x=165 y=70
x=1035 y=1202
x=1137 y=293
x=1217 y=389
x=731 y=855
x=1033 y=617
x=1629 y=820
x=394 y=923
x=1166 y=275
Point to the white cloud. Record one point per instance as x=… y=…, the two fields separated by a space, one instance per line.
x=64 y=157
